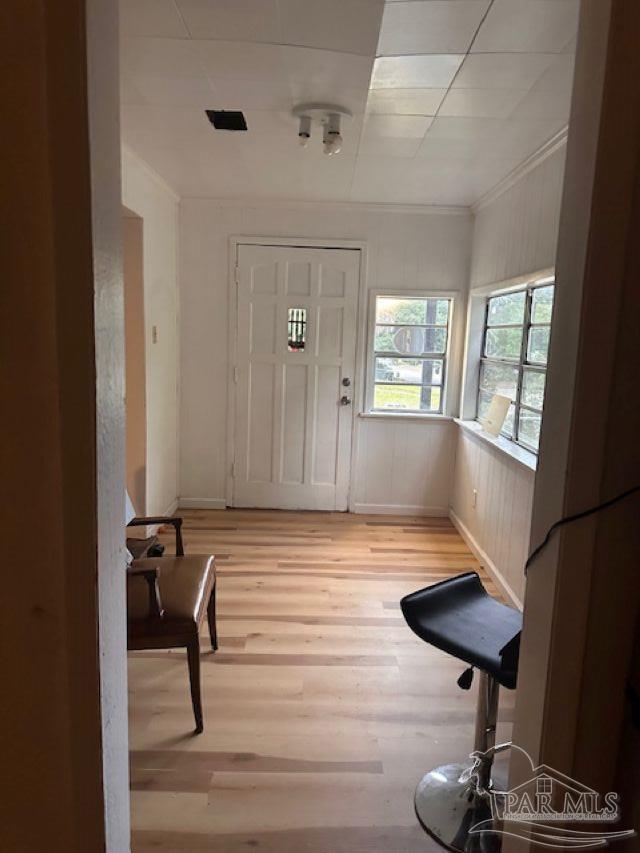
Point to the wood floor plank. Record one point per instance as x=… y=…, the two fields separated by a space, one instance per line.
x=322 y=709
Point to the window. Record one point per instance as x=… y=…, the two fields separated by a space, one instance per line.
x=514 y=358
x=410 y=337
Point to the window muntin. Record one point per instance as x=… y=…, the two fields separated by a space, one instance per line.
x=410 y=343
x=514 y=359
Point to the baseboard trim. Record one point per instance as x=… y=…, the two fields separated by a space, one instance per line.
x=485 y=560
x=173 y=506
x=400 y=509
x=202 y=503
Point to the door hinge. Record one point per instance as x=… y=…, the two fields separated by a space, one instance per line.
x=235 y=374
x=236 y=274
x=233 y=469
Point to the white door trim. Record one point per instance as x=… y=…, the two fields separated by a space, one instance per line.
x=235 y=241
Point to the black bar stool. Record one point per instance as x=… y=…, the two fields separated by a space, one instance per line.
x=459 y=617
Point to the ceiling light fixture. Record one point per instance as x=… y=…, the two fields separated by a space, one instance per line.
x=327 y=116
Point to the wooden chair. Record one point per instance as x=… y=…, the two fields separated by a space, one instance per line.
x=167 y=599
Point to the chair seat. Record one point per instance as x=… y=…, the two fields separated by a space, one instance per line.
x=458 y=616
x=184 y=583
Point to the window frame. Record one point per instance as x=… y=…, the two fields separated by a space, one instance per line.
x=522 y=363
x=447 y=368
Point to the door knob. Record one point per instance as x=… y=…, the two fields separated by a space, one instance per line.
x=345 y=401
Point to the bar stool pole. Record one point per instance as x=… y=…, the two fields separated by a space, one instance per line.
x=486 y=722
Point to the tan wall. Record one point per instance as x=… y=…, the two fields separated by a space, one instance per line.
x=134 y=343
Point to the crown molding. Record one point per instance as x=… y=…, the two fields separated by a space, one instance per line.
x=532 y=162
x=130 y=154
x=360 y=207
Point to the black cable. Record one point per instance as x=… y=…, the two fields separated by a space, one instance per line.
x=578 y=515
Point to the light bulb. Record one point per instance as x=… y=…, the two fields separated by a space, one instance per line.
x=303 y=139
x=332 y=143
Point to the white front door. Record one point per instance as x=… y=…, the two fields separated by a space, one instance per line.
x=295 y=361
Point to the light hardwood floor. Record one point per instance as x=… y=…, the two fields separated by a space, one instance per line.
x=322 y=710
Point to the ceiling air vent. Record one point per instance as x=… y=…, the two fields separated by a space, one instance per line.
x=227 y=119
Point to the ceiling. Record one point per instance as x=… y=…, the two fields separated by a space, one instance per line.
x=448 y=96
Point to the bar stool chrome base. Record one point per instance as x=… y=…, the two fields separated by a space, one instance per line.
x=448 y=808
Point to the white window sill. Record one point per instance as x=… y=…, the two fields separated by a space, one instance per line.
x=404 y=416
x=503 y=445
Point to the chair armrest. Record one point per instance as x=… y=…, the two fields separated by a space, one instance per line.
x=151 y=576
x=160 y=519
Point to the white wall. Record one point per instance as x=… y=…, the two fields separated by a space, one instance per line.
x=400 y=466
x=517 y=233
x=514 y=235
x=147 y=195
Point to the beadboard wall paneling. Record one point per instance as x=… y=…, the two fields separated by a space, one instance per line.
x=497 y=528
x=517 y=233
x=514 y=235
x=404 y=250
x=405 y=466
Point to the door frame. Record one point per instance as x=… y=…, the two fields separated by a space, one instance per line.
x=235 y=241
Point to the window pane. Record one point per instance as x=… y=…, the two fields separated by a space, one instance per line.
x=503 y=343
x=409 y=312
x=529 y=428
x=484 y=401
x=499 y=379
x=507 y=309
x=407 y=397
x=441 y=311
x=542 y=304
x=509 y=422
x=533 y=388
x=420 y=371
x=538 y=344
x=406 y=340
x=296 y=329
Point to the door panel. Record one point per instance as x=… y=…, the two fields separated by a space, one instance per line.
x=296 y=330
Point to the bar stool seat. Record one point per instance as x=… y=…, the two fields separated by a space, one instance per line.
x=459 y=617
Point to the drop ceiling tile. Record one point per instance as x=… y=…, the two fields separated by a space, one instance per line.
x=430 y=26
x=415 y=72
x=233 y=60
x=160 y=57
x=351 y=26
x=520 y=137
x=324 y=67
x=528 y=26
x=458 y=138
x=162 y=126
x=327 y=76
x=480 y=176
x=481 y=103
x=396 y=127
x=559 y=75
x=232 y=20
x=330 y=178
x=200 y=171
x=181 y=91
x=545 y=104
x=424 y=102
x=253 y=95
x=158 y=18
x=502 y=70
x=371 y=146
x=464 y=128
x=398 y=180
x=129 y=92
